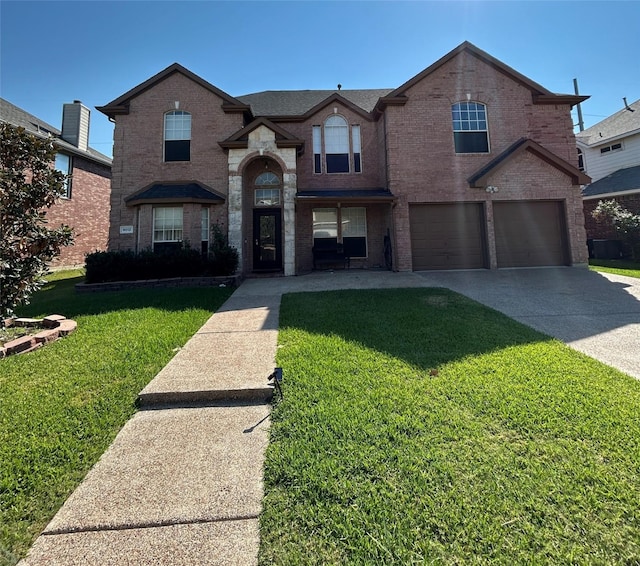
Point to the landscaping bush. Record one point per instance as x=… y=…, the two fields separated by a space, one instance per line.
x=127 y=265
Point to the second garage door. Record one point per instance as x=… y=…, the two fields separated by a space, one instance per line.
x=530 y=233
x=447 y=236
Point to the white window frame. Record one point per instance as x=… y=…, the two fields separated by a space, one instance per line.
x=465 y=119
x=167 y=226
x=64 y=164
x=332 y=222
x=336 y=137
x=176 y=130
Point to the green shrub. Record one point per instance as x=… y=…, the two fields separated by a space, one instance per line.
x=126 y=265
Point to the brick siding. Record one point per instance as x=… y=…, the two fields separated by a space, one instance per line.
x=87 y=212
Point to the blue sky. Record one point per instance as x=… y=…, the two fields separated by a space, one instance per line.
x=56 y=52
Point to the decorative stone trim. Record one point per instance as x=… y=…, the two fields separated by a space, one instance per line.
x=226 y=281
x=53 y=327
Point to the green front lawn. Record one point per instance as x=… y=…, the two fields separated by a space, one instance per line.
x=419 y=427
x=62 y=405
x=616 y=266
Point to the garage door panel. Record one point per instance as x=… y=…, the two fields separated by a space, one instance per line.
x=530 y=233
x=447 y=236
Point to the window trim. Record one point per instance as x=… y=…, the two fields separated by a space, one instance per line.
x=68 y=170
x=469 y=121
x=338 y=213
x=154 y=241
x=353 y=140
x=165 y=140
x=611 y=148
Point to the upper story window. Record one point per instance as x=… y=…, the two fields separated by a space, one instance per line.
x=177 y=136
x=63 y=164
x=340 y=147
x=267 y=192
x=610 y=148
x=470 y=134
x=580 y=160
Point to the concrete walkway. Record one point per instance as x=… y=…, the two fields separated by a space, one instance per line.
x=182 y=481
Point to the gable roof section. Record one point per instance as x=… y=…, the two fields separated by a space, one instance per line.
x=241 y=138
x=175 y=192
x=621 y=181
x=12 y=114
x=288 y=104
x=121 y=104
x=540 y=94
x=622 y=123
x=478 y=179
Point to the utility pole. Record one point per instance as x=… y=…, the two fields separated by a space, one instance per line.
x=580 y=121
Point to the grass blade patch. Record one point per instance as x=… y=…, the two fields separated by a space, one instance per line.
x=420 y=427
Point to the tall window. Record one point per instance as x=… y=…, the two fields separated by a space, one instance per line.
x=167 y=227
x=63 y=164
x=470 y=133
x=204 y=230
x=340 y=148
x=177 y=136
x=580 y=160
x=346 y=224
x=267 y=192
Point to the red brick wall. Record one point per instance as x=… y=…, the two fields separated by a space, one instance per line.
x=423 y=165
x=139 y=147
x=87 y=212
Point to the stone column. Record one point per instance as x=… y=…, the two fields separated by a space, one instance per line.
x=289 y=218
x=235 y=216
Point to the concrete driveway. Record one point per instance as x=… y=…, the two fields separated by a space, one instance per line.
x=595 y=313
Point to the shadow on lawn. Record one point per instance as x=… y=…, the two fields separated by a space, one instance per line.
x=425 y=327
x=60 y=297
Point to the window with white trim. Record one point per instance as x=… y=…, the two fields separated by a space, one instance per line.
x=336 y=146
x=610 y=148
x=267 y=192
x=63 y=164
x=470 y=133
x=204 y=230
x=177 y=136
x=167 y=227
x=347 y=225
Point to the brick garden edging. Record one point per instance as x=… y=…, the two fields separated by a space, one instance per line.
x=230 y=280
x=53 y=327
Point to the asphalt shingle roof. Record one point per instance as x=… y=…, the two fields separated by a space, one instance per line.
x=178 y=192
x=12 y=114
x=622 y=122
x=627 y=179
x=297 y=102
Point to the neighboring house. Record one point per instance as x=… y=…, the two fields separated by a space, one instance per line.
x=469 y=164
x=610 y=155
x=85 y=205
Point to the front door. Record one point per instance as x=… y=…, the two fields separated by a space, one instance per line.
x=267 y=239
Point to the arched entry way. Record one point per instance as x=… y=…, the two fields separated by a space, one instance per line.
x=263 y=198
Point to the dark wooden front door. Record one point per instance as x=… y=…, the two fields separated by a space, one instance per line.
x=267 y=239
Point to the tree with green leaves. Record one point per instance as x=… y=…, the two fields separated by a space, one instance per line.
x=29 y=185
x=624 y=222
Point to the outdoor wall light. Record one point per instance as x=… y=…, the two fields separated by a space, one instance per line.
x=276 y=377
x=491 y=189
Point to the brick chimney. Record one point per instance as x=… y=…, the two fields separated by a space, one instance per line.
x=75 y=124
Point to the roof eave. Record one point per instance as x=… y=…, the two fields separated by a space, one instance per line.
x=571 y=99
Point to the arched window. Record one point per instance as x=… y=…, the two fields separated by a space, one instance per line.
x=336 y=144
x=177 y=136
x=470 y=134
x=267 y=191
x=340 y=156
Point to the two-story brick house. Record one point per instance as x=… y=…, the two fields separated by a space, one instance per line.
x=469 y=164
x=85 y=204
